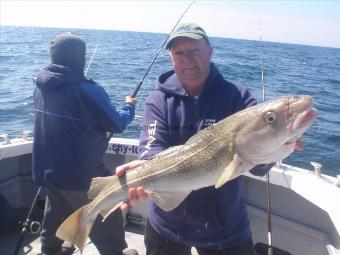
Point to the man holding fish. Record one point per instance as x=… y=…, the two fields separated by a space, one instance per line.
x=191 y=97
x=200 y=139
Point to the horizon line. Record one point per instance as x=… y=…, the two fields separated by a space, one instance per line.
x=134 y=31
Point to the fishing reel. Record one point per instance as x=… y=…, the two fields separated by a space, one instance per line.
x=30 y=226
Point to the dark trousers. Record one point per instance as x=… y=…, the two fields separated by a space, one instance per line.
x=107 y=236
x=158 y=245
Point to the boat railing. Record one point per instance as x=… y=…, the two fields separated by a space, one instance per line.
x=27 y=135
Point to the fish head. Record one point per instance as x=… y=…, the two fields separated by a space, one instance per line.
x=268 y=132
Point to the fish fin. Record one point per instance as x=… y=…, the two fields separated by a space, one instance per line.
x=168 y=201
x=106 y=213
x=235 y=168
x=74 y=230
x=99 y=184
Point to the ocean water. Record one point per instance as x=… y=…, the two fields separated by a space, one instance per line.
x=122 y=58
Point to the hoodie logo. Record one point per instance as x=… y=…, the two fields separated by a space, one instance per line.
x=208 y=122
x=150 y=139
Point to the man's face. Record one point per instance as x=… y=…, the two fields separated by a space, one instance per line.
x=191 y=62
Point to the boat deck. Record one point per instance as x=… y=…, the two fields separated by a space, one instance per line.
x=31 y=244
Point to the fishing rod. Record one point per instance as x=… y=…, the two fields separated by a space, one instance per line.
x=262 y=67
x=28 y=225
x=270 y=249
x=94 y=52
x=135 y=91
x=269 y=208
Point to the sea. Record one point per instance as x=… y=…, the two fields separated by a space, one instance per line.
x=120 y=59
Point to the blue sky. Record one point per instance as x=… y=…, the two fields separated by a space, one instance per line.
x=302 y=22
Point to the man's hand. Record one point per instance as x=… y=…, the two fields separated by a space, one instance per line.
x=130 y=100
x=135 y=194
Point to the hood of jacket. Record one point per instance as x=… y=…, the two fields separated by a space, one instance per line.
x=55 y=76
x=169 y=82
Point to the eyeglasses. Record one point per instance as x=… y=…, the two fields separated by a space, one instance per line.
x=193 y=53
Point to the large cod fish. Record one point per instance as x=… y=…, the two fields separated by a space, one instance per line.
x=261 y=134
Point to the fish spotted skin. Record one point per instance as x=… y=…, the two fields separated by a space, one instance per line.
x=262 y=134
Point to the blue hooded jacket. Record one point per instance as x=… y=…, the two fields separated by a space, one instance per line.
x=209 y=217
x=74 y=122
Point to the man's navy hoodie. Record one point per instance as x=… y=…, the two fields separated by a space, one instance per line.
x=73 y=116
x=209 y=217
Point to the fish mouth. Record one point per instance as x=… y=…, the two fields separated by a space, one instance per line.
x=301 y=124
x=304 y=119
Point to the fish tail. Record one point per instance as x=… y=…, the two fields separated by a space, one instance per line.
x=74 y=230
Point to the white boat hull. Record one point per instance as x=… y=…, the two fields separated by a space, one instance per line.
x=305 y=206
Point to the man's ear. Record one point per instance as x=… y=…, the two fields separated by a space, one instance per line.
x=210 y=51
x=170 y=55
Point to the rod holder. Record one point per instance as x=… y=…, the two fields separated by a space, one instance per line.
x=317 y=168
x=4 y=139
x=27 y=135
x=337 y=182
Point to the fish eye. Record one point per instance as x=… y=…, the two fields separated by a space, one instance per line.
x=270 y=117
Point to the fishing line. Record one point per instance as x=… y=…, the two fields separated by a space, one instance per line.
x=59 y=115
x=135 y=91
x=87 y=69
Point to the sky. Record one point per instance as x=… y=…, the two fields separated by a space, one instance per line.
x=301 y=22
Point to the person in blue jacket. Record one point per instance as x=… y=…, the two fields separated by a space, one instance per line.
x=74 y=123
x=186 y=100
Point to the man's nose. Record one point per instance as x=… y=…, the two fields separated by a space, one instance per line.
x=188 y=56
